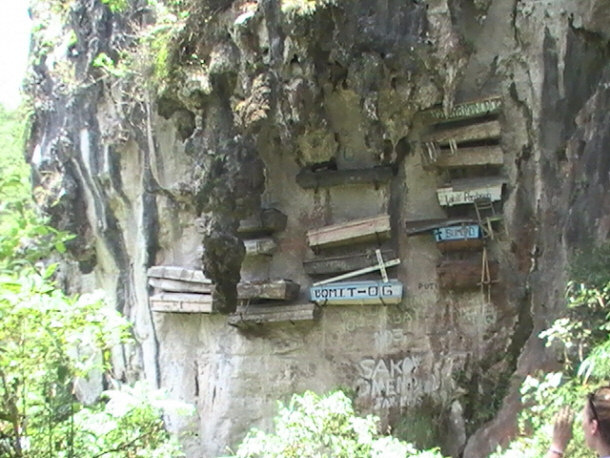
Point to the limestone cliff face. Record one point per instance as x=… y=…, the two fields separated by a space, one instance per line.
x=157 y=133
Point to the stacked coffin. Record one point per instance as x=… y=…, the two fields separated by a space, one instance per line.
x=256 y=232
x=180 y=290
x=267 y=301
x=464 y=145
x=270 y=302
x=466 y=142
x=468 y=136
x=465 y=263
x=358 y=231
x=363 y=237
x=327 y=177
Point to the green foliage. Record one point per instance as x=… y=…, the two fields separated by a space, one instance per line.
x=324 y=426
x=49 y=342
x=583 y=343
x=46 y=340
x=158 y=43
x=11 y=142
x=24 y=238
x=591 y=266
x=106 y=63
x=544 y=395
x=116 y=6
x=128 y=424
x=146 y=63
x=72 y=39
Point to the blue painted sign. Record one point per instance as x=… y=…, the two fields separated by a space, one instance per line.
x=357 y=292
x=461 y=232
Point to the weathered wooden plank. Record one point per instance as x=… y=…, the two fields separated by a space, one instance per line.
x=424 y=225
x=179 y=286
x=466 y=110
x=260 y=246
x=356 y=273
x=467 y=190
x=464 y=273
x=275 y=290
x=178 y=273
x=346 y=263
x=181 y=303
x=357 y=292
x=268 y=221
x=467 y=157
x=350 y=232
x=464 y=184
x=307 y=179
x=489 y=130
x=259 y=314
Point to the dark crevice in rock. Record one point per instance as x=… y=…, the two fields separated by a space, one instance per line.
x=114 y=170
x=585 y=60
x=228 y=189
x=271 y=10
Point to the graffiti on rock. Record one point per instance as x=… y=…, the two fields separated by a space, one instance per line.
x=387 y=338
x=393 y=382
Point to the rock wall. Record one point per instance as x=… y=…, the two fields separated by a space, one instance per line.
x=155 y=132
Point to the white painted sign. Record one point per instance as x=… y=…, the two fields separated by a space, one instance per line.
x=357 y=292
x=448 y=196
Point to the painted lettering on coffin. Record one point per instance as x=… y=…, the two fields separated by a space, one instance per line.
x=450 y=196
x=363 y=292
x=471 y=231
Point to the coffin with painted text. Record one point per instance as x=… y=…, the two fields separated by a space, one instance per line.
x=467 y=190
x=357 y=292
x=457 y=238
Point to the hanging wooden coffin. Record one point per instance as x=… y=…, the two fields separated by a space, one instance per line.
x=179 y=280
x=377 y=227
x=418 y=226
x=261 y=246
x=467 y=190
x=466 y=110
x=260 y=314
x=268 y=221
x=328 y=178
x=489 y=130
x=284 y=290
x=178 y=273
x=357 y=292
x=336 y=264
x=468 y=157
x=465 y=237
x=178 y=286
x=181 y=303
x=464 y=273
